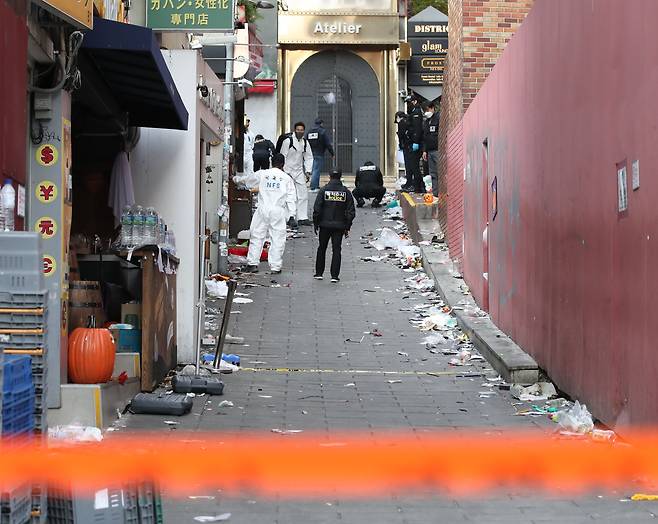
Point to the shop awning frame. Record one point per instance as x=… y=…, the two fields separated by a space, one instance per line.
x=128 y=58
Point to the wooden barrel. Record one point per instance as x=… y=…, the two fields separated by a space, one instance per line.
x=74 y=270
x=85 y=299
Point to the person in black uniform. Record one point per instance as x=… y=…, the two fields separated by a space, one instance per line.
x=263 y=152
x=320 y=142
x=415 y=139
x=405 y=145
x=333 y=214
x=369 y=183
x=431 y=145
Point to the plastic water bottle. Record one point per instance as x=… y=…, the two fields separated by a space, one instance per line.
x=138 y=226
x=8 y=195
x=161 y=231
x=127 y=227
x=150 y=226
x=2 y=215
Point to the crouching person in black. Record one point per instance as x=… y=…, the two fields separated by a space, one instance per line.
x=333 y=214
x=369 y=183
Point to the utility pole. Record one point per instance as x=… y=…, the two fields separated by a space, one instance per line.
x=223 y=210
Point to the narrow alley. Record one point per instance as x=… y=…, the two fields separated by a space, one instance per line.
x=311 y=363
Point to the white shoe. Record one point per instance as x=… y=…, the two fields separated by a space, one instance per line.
x=313 y=190
x=335 y=280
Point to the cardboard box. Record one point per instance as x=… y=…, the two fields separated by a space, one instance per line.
x=131 y=309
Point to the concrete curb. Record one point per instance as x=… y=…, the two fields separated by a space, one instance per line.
x=505 y=356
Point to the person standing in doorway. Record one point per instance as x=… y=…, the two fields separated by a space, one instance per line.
x=333 y=214
x=431 y=145
x=276 y=202
x=263 y=152
x=299 y=163
x=369 y=183
x=415 y=138
x=320 y=142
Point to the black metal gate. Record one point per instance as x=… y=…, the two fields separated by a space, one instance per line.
x=334 y=102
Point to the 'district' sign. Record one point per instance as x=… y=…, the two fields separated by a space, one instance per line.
x=190 y=15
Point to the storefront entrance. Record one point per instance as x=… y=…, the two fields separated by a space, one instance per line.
x=342 y=89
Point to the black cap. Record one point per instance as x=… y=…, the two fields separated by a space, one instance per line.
x=336 y=174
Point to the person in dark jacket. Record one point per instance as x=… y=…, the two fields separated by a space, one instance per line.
x=320 y=142
x=402 y=122
x=369 y=183
x=431 y=145
x=333 y=214
x=415 y=139
x=263 y=152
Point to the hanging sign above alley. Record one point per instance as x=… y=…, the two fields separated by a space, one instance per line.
x=429 y=48
x=338 y=29
x=203 y=16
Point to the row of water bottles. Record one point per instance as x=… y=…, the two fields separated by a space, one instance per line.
x=7 y=206
x=143 y=227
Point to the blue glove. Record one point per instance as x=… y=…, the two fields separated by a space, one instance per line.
x=415 y=147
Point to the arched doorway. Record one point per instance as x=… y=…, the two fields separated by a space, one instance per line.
x=342 y=89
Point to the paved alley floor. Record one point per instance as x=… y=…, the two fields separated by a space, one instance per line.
x=298 y=323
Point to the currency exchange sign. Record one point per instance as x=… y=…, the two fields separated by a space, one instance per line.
x=202 y=16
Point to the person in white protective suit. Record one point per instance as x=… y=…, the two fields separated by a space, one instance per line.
x=276 y=202
x=248 y=149
x=299 y=164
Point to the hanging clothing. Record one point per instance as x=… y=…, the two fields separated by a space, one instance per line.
x=121 y=192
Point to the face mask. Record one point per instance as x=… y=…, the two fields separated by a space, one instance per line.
x=299 y=135
x=429 y=114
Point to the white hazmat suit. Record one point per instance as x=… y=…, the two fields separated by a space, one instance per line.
x=299 y=161
x=276 y=203
x=248 y=156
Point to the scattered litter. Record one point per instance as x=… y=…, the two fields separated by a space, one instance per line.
x=226 y=404
x=350 y=385
x=389 y=239
x=534 y=393
x=171 y=423
x=403 y=354
x=376 y=333
x=638 y=497
x=576 y=420
x=73 y=433
x=603 y=435
x=201 y=497
x=286 y=431
x=355 y=341
x=265 y=396
x=216 y=289
x=215 y=518
x=394 y=381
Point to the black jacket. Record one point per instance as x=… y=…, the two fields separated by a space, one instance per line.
x=403 y=133
x=320 y=141
x=369 y=176
x=334 y=207
x=415 y=132
x=431 y=133
x=263 y=148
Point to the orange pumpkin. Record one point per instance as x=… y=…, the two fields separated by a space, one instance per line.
x=428 y=197
x=91 y=354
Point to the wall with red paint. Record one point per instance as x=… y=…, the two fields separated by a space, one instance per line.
x=13 y=92
x=574 y=282
x=455 y=183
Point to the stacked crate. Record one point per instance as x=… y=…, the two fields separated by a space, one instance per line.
x=23 y=326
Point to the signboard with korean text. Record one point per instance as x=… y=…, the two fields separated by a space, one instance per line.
x=78 y=12
x=204 y=16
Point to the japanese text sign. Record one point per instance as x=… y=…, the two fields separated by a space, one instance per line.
x=190 y=15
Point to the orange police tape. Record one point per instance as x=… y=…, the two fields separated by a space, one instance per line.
x=349 y=464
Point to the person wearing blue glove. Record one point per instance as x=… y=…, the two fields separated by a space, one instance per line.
x=415 y=182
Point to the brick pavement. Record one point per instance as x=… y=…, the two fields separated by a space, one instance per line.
x=305 y=324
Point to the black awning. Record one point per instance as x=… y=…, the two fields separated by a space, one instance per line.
x=128 y=58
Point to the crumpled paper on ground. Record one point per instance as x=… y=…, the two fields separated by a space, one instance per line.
x=536 y=392
x=216 y=289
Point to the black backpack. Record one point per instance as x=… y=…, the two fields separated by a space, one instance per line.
x=282 y=138
x=279 y=142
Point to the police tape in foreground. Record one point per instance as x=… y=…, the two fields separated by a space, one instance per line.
x=347 y=464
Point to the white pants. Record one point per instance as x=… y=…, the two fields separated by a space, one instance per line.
x=262 y=226
x=302 y=199
x=248 y=164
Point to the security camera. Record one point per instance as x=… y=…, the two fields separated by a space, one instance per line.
x=203 y=90
x=243 y=82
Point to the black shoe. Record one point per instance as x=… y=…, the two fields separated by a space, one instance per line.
x=305 y=223
x=292 y=223
x=376 y=204
x=250 y=269
x=318 y=277
x=335 y=280
x=360 y=203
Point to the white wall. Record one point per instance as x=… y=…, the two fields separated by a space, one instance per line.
x=165 y=176
x=262 y=111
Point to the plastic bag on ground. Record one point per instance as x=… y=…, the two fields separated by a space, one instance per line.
x=389 y=239
x=216 y=289
x=237 y=259
x=440 y=321
x=73 y=433
x=576 y=420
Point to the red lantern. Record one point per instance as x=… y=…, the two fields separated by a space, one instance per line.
x=91 y=354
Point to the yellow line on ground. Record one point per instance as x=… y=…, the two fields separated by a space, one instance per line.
x=359 y=371
x=409 y=199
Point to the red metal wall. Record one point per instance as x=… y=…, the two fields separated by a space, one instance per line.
x=13 y=92
x=455 y=181
x=571 y=280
